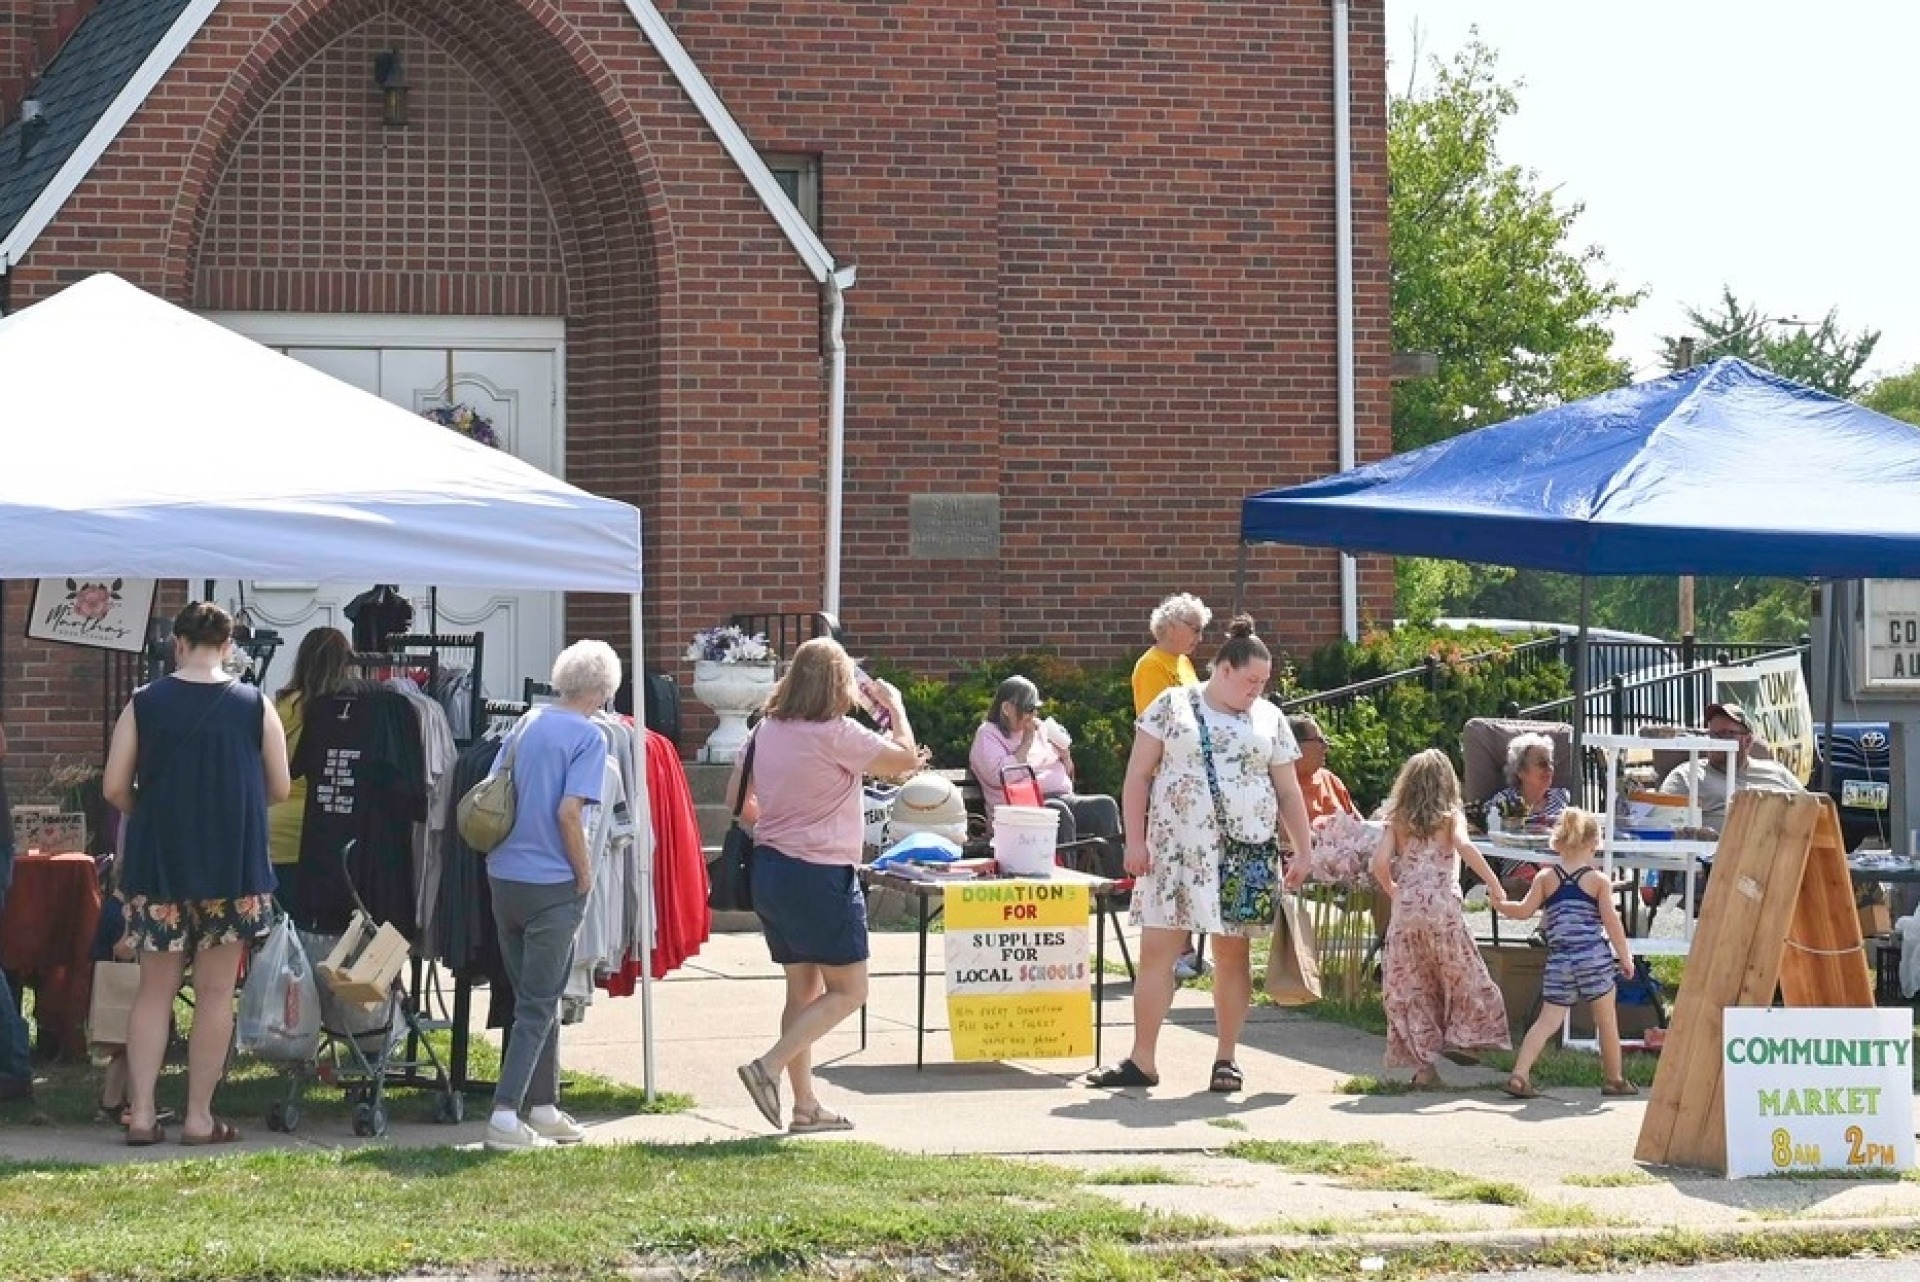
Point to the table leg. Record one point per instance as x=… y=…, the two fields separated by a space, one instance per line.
x=1100 y=974
x=920 y=994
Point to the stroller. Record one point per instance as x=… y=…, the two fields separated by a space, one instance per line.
x=373 y=1033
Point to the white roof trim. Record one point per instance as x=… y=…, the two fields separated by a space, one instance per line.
x=698 y=89
x=733 y=138
x=104 y=131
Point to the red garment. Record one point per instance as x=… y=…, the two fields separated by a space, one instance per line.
x=46 y=937
x=681 y=919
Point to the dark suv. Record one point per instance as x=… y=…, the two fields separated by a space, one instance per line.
x=1862 y=787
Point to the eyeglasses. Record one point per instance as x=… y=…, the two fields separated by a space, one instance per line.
x=1727 y=732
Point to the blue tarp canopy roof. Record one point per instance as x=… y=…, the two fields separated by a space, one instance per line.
x=1724 y=469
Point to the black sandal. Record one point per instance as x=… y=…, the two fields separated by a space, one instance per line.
x=1125 y=1073
x=1227 y=1078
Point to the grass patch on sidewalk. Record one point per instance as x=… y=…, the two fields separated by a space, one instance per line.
x=585 y=1211
x=1369 y=1166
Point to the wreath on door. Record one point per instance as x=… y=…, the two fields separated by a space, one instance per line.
x=465 y=420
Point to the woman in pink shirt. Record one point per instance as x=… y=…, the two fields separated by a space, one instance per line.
x=803 y=799
x=1014 y=734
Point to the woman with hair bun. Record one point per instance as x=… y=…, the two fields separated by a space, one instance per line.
x=1219 y=749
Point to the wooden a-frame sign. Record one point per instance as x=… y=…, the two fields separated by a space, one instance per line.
x=1778 y=911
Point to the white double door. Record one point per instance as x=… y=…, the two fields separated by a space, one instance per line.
x=510 y=371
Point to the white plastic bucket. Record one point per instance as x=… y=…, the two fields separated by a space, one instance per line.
x=1024 y=838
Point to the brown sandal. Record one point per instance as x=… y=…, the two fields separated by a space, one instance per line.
x=222 y=1133
x=1620 y=1086
x=1519 y=1087
x=138 y=1138
x=1427 y=1079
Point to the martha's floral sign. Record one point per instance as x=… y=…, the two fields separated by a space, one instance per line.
x=106 y=613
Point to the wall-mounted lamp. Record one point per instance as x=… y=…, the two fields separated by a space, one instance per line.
x=391 y=76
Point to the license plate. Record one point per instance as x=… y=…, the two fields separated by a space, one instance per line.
x=1862 y=795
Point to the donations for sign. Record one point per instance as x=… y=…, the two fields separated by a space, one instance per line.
x=1017 y=972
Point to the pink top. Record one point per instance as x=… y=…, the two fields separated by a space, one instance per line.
x=992 y=749
x=807 y=776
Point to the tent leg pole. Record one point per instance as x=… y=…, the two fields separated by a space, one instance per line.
x=1240 y=579
x=643 y=833
x=1830 y=599
x=1580 y=685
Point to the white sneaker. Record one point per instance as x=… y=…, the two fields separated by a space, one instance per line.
x=516 y=1139
x=1188 y=968
x=561 y=1130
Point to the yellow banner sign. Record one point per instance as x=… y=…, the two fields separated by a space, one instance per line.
x=1018 y=978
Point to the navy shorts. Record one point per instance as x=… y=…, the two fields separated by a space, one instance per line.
x=810 y=913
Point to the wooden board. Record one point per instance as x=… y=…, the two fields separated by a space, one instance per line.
x=1773 y=881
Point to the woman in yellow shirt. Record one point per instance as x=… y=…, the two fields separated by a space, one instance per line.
x=320 y=670
x=1177 y=624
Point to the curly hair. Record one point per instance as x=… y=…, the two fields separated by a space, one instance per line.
x=1425 y=796
x=1522 y=746
x=1181 y=607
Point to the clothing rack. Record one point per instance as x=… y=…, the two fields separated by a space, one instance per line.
x=434 y=643
x=393 y=659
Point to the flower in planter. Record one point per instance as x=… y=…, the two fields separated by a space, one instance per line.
x=465 y=420
x=730 y=644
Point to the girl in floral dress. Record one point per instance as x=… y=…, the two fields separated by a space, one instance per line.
x=1440 y=1001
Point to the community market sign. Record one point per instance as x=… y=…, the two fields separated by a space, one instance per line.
x=1818 y=1090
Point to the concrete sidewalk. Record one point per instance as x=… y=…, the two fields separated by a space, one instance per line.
x=723 y=1008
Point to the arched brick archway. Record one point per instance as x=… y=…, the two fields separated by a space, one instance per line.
x=602 y=263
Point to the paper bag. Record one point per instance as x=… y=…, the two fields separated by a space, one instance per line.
x=114 y=984
x=1293 y=964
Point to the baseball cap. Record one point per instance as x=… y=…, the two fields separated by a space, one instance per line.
x=1732 y=711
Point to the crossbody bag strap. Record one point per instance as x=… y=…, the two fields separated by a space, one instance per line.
x=1206 y=756
x=746 y=776
x=513 y=738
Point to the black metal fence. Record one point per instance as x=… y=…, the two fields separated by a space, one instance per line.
x=1669 y=684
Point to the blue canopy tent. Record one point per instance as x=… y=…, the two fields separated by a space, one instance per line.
x=1724 y=469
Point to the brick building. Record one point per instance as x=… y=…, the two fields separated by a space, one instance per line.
x=1095 y=300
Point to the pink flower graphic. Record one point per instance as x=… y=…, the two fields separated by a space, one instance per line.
x=93 y=602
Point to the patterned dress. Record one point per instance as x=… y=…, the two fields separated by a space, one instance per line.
x=1181 y=891
x=1436 y=989
x=1579 y=955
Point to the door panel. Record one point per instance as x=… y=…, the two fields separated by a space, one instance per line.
x=516 y=389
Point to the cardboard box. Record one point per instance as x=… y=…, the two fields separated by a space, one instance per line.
x=1875 y=919
x=363 y=965
x=1517 y=969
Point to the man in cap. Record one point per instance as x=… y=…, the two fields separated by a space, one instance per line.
x=1727 y=721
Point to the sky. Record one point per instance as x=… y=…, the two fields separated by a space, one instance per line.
x=1764 y=145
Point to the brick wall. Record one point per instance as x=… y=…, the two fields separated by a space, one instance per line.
x=1096 y=278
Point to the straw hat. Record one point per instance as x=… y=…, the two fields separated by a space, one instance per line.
x=928 y=803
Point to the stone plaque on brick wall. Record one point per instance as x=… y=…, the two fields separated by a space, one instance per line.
x=954 y=527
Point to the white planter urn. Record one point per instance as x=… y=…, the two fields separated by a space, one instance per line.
x=732 y=690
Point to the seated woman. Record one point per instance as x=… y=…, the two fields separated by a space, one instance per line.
x=1529 y=786
x=1014 y=735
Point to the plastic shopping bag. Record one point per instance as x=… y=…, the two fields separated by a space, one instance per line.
x=280 y=1003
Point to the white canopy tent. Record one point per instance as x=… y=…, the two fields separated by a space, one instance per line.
x=138 y=439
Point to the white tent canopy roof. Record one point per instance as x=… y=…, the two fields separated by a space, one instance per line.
x=139 y=439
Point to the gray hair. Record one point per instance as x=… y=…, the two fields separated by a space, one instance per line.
x=587 y=668
x=1181 y=607
x=1517 y=749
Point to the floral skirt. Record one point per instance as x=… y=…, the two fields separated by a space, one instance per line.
x=159 y=926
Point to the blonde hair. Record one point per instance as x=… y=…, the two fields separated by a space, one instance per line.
x=1576 y=828
x=1425 y=796
x=819 y=685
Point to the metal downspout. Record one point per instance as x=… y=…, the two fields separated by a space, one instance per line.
x=836 y=287
x=1343 y=290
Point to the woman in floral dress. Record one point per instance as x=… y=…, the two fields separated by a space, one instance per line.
x=1440 y=1001
x=1174 y=841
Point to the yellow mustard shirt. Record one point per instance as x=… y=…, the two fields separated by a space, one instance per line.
x=1156 y=671
x=286 y=820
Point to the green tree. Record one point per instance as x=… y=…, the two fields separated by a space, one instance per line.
x=1486 y=277
x=1821 y=356
x=1897 y=395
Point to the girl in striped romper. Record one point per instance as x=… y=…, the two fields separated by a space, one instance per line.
x=1585 y=945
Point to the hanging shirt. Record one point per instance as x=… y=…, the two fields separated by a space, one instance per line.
x=361 y=757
